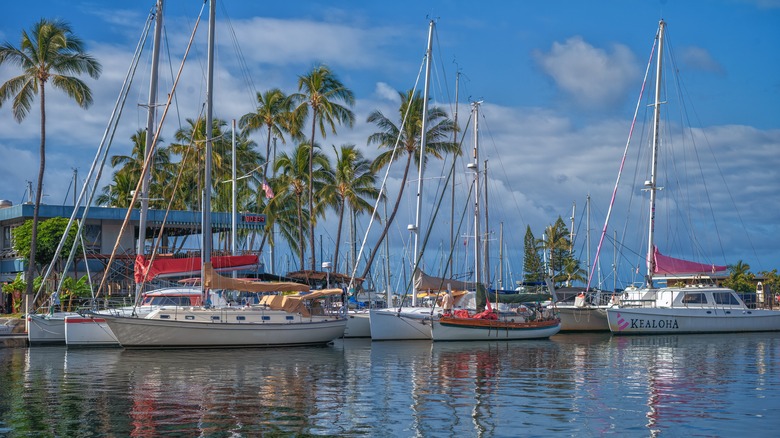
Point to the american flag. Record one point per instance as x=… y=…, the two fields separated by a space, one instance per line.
x=267 y=189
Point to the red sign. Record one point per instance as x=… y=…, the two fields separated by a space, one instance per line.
x=255 y=219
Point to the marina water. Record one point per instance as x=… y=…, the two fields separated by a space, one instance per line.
x=569 y=385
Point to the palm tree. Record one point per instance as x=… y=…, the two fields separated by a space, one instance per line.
x=409 y=135
x=555 y=242
x=293 y=182
x=353 y=183
x=50 y=53
x=274 y=112
x=573 y=271
x=320 y=92
x=130 y=167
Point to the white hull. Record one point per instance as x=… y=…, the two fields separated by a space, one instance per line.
x=88 y=331
x=444 y=332
x=582 y=319
x=177 y=328
x=358 y=325
x=47 y=329
x=629 y=321
x=410 y=323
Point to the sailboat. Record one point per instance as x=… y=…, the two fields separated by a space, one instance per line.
x=409 y=323
x=692 y=309
x=279 y=320
x=489 y=324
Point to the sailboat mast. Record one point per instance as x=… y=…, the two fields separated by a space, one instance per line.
x=207 y=238
x=454 y=157
x=423 y=136
x=142 y=220
x=651 y=184
x=486 y=243
x=475 y=166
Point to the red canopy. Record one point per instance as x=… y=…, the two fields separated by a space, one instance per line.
x=187 y=265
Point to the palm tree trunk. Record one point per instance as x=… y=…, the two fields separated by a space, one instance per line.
x=34 y=236
x=338 y=236
x=300 y=232
x=390 y=219
x=311 y=189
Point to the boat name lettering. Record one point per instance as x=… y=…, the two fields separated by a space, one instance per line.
x=655 y=324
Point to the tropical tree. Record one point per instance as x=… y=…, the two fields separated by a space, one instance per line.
x=274 y=113
x=51 y=52
x=118 y=193
x=408 y=133
x=354 y=184
x=533 y=269
x=740 y=278
x=557 y=244
x=293 y=183
x=190 y=146
x=572 y=271
x=321 y=93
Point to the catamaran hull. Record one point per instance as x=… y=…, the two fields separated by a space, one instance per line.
x=358 y=325
x=464 y=329
x=410 y=323
x=156 y=333
x=583 y=319
x=629 y=321
x=88 y=331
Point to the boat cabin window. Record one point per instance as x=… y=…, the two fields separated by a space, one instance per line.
x=694 y=298
x=726 y=298
x=166 y=301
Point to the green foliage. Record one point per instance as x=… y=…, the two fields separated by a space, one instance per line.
x=771 y=281
x=533 y=269
x=72 y=288
x=740 y=278
x=50 y=232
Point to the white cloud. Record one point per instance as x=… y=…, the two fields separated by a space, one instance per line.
x=699 y=58
x=593 y=77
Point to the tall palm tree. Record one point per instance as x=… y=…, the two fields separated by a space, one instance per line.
x=320 y=92
x=293 y=182
x=409 y=134
x=274 y=112
x=51 y=52
x=353 y=184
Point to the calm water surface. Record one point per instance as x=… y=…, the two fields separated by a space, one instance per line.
x=570 y=385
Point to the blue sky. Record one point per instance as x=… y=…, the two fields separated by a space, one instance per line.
x=559 y=81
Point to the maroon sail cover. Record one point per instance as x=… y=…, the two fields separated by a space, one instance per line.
x=670 y=265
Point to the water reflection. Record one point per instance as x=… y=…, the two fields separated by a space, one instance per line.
x=583 y=384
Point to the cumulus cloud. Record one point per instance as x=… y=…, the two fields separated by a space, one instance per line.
x=699 y=58
x=591 y=76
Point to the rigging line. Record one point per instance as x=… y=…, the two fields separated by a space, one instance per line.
x=170 y=67
x=375 y=211
x=622 y=162
x=503 y=169
x=147 y=161
x=102 y=148
x=243 y=66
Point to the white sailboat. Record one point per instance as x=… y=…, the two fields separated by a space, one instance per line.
x=409 y=323
x=279 y=320
x=693 y=309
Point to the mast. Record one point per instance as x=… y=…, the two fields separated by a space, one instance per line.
x=233 y=203
x=418 y=257
x=454 y=157
x=587 y=231
x=150 y=116
x=475 y=167
x=486 y=255
x=651 y=184
x=501 y=255
x=207 y=238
